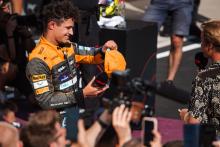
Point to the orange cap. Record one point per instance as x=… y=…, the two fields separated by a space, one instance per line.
x=114 y=61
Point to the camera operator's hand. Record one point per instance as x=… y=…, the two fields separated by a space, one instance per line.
x=109 y=45
x=121 y=122
x=11 y=25
x=90 y=91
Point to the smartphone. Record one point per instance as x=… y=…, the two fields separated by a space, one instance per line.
x=148 y=125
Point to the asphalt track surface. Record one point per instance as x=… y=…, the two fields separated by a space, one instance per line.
x=208 y=10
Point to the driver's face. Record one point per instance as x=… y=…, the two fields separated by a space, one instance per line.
x=64 y=31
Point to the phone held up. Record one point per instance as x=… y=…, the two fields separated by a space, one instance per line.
x=148 y=125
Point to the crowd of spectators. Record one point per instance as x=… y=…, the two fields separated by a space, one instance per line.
x=43 y=129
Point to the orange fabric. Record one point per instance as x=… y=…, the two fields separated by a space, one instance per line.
x=49 y=53
x=114 y=61
x=88 y=59
x=41 y=90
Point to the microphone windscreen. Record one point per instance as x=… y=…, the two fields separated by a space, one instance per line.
x=200 y=60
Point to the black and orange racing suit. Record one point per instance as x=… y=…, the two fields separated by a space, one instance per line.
x=52 y=73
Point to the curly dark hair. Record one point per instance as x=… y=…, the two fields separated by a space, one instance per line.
x=58 y=11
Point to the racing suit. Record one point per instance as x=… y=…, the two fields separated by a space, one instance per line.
x=52 y=73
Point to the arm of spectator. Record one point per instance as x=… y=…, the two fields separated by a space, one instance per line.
x=157 y=139
x=89 y=138
x=121 y=122
x=82 y=137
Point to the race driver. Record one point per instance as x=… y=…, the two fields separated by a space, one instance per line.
x=52 y=69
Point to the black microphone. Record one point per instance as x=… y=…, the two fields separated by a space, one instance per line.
x=169 y=91
x=100 y=80
x=200 y=60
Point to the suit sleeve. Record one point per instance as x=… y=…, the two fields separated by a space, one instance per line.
x=199 y=103
x=38 y=74
x=89 y=55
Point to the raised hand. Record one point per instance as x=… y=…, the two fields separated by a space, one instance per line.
x=121 y=122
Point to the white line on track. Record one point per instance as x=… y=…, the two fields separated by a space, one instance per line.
x=185 y=49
